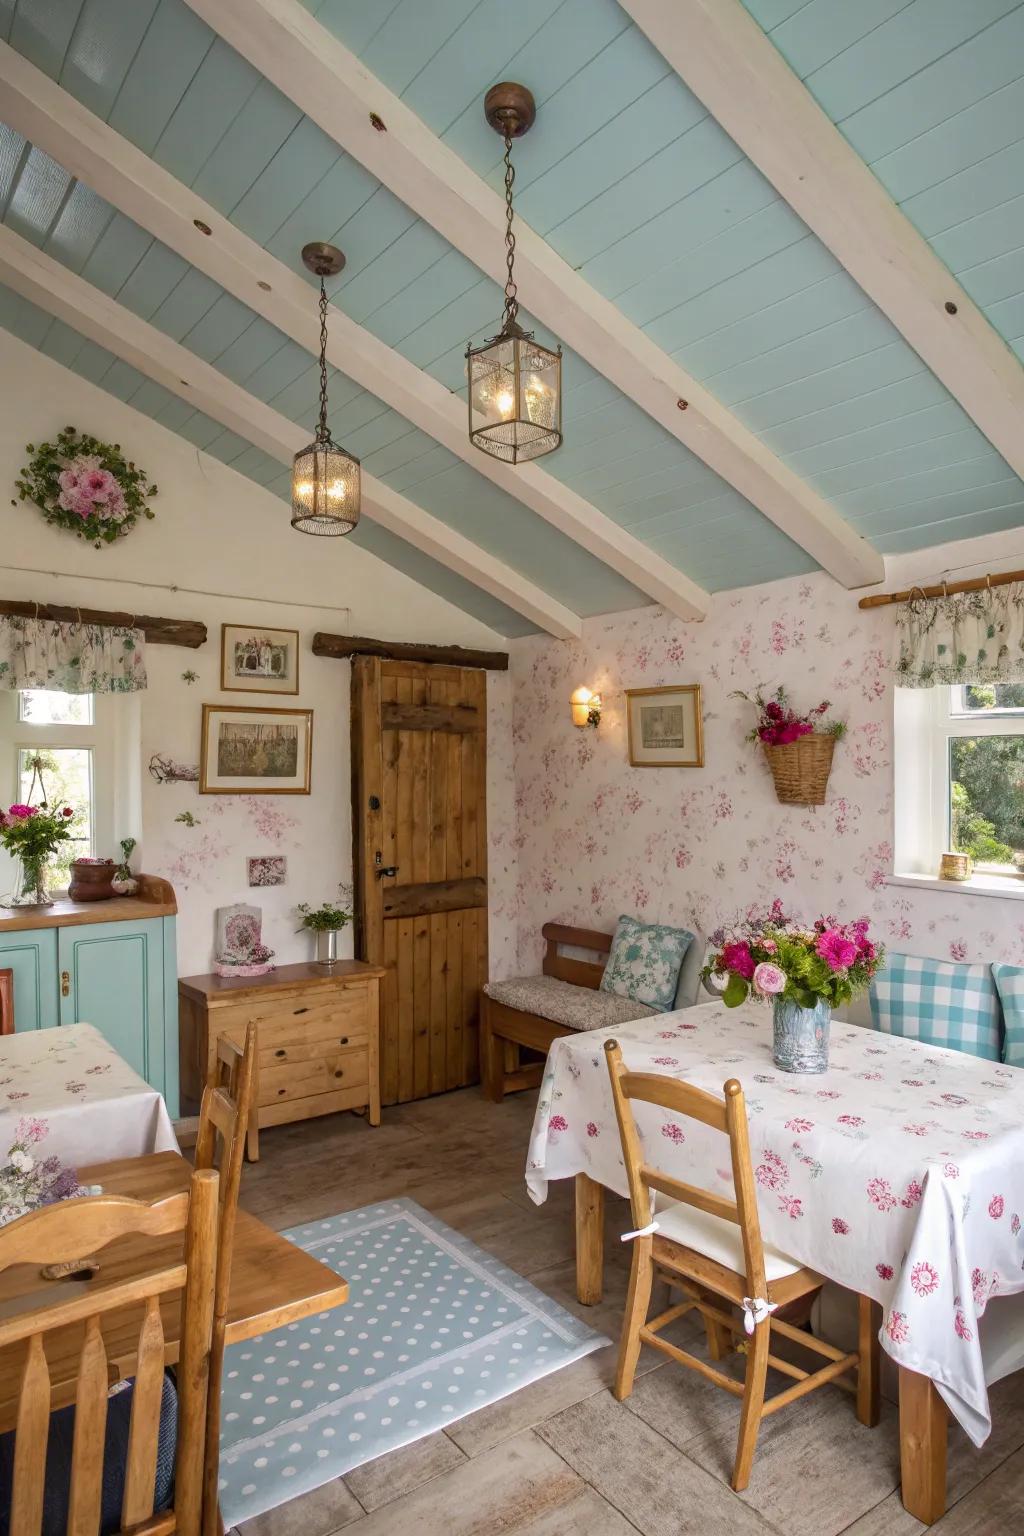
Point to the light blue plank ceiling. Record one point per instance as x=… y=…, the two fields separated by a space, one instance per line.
x=638 y=189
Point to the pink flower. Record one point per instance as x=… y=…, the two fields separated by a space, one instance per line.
x=961 y=1328
x=996 y=1207
x=924 y=1279
x=879 y=1192
x=850 y=1120
x=768 y=979
x=884 y=1271
x=68 y=479
x=22 y=812
x=798 y=1124
x=98 y=483
x=673 y=1132
x=30 y=1129
x=912 y=1196
x=592 y=1129
x=839 y=1226
x=836 y=949
x=557 y=1123
x=897 y=1327
x=737 y=957
x=791 y=1206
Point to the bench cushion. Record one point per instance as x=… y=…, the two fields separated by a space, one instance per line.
x=564 y=1003
x=939 y=1003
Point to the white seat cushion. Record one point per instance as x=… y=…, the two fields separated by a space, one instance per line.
x=564 y=1003
x=715 y=1238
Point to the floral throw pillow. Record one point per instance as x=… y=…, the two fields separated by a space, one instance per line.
x=644 y=962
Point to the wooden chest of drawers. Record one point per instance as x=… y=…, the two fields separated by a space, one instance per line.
x=318 y=1037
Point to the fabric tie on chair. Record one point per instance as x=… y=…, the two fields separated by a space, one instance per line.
x=627 y=1237
x=756 y=1311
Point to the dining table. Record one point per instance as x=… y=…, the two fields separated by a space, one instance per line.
x=898 y=1173
x=273 y=1283
x=91 y=1104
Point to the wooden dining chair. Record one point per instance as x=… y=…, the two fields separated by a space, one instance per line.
x=72 y=1493
x=707 y=1245
x=6 y=1001
x=225 y=1115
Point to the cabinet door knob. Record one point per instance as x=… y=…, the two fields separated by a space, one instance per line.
x=65 y=983
x=301 y=1010
x=279 y=1053
x=343 y=1040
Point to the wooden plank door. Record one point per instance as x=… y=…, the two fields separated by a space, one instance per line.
x=419 y=753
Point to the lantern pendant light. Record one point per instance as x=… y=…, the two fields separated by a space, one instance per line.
x=325 y=479
x=515 y=383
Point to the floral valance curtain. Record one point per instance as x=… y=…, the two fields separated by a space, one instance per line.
x=71 y=658
x=968 y=637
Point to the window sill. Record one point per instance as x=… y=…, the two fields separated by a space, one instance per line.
x=1008 y=887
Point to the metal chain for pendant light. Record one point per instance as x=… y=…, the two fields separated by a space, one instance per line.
x=511 y=299
x=322 y=433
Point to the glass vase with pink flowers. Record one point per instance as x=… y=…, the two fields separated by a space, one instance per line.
x=804 y=972
x=33 y=833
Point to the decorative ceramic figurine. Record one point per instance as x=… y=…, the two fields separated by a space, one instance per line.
x=124 y=882
x=240 y=947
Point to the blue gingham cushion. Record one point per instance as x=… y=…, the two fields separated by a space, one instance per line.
x=938 y=1003
x=1010 y=981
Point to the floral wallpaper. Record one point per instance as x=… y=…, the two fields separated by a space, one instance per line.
x=592 y=837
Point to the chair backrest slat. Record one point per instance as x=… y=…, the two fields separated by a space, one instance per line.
x=30 y=1442
x=727 y=1115
x=90 y=1432
x=144 y=1428
x=76 y=1228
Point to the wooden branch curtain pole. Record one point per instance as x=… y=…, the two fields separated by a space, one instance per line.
x=943 y=589
x=187 y=632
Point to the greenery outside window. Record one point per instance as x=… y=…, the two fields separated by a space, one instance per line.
x=59 y=745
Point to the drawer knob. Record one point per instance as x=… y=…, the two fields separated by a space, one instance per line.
x=343 y=1040
x=280 y=1091
x=301 y=1010
x=339 y=1073
x=280 y=1053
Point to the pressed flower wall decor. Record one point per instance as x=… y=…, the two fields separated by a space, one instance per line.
x=86 y=486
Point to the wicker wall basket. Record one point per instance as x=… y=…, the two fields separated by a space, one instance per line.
x=801 y=769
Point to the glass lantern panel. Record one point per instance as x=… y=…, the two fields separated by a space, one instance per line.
x=514 y=399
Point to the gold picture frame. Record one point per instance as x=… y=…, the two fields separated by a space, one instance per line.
x=669 y=733
x=255 y=659
x=263 y=740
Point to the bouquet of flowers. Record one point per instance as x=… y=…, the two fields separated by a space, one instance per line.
x=27 y=1182
x=773 y=957
x=86 y=486
x=33 y=833
x=778 y=723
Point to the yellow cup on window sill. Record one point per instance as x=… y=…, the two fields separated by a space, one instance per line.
x=955 y=866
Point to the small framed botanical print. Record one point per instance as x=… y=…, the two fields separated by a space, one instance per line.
x=665 y=727
x=255 y=751
x=254 y=660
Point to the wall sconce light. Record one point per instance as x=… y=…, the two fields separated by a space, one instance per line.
x=586 y=707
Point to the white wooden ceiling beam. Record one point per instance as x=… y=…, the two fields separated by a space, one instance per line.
x=308 y=64
x=122 y=174
x=722 y=54
x=53 y=287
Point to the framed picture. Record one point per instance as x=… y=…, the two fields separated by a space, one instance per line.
x=665 y=727
x=254 y=660
x=255 y=751
x=268 y=869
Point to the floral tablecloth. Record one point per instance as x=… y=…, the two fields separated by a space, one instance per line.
x=94 y=1105
x=898 y=1173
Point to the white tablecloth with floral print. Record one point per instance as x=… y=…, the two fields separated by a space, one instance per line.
x=94 y=1105
x=898 y=1173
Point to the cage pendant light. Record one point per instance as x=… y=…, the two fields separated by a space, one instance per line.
x=326 y=488
x=515 y=383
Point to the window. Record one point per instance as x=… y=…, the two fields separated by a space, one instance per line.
x=960 y=777
x=59 y=748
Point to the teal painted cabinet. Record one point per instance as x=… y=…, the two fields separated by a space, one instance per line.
x=120 y=976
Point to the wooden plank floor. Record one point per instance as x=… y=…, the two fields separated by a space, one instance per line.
x=561 y=1456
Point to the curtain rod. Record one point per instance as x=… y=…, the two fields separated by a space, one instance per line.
x=944 y=589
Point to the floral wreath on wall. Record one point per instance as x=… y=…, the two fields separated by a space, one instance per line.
x=86 y=486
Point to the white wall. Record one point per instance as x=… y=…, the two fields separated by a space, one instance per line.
x=228 y=540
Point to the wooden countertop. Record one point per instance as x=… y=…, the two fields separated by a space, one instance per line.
x=155 y=899
x=208 y=989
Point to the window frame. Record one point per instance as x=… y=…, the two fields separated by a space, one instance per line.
x=925 y=721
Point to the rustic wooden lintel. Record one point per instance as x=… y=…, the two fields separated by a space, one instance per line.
x=187 y=632
x=342 y=646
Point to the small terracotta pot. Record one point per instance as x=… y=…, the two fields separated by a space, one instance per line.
x=91 y=881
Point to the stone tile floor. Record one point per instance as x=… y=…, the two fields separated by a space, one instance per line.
x=562 y=1456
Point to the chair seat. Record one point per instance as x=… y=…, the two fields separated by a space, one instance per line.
x=564 y=1003
x=716 y=1239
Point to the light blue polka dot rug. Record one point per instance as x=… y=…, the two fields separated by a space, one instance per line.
x=434 y=1328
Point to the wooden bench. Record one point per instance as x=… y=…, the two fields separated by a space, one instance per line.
x=505 y=1031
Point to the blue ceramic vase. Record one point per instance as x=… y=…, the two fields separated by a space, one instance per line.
x=801 y=1036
